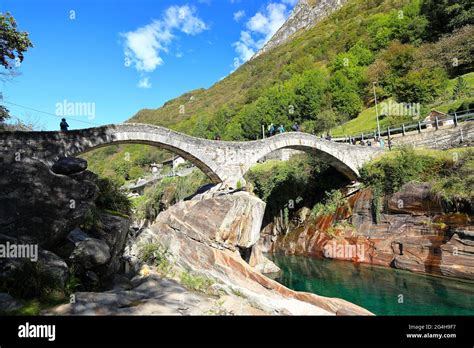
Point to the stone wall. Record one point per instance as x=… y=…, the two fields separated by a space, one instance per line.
x=443 y=138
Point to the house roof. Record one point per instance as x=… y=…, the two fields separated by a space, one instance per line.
x=435 y=113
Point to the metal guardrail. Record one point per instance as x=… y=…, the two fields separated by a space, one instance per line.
x=457 y=117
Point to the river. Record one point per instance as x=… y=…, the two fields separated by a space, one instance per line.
x=383 y=291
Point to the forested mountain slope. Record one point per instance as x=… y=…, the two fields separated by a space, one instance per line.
x=419 y=52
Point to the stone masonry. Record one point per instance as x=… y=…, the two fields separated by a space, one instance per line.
x=222 y=161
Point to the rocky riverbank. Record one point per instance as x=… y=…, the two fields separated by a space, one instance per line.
x=200 y=256
x=414 y=231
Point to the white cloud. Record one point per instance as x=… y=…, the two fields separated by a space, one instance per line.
x=144 y=83
x=143 y=47
x=260 y=28
x=239 y=15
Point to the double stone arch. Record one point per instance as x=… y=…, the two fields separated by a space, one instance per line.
x=221 y=161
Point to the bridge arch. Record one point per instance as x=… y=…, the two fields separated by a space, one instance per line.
x=187 y=147
x=221 y=161
x=346 y=158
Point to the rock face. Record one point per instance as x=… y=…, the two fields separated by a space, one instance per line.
x=99 y=250
x=90 y=253
x=194 y=243
x=114 y=233
x=305 y=15
x=8 y=303
x=414 y=199
x=42 y=209
x=38 y=206
x=414 y=234
x=48 y=263
x=230 y=220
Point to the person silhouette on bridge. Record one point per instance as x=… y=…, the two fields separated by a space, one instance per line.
x=63 y=125
x=271 y=130
x=281 y=129
x=296 y=127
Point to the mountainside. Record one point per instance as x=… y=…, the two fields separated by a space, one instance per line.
x=244 y=85
x=320 y=71
x=319 y=67
x=305 y=15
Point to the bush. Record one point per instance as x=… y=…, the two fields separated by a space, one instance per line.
x=333 y=200
x=196 y=282
x=158 y=256
x=110 y=197
x=450 y=173
x=30 y=281
x=167 y=192
x=291 y=185
x=390 y=173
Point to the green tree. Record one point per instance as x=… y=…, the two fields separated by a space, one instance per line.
x=444 y=16
x=460 y=88
x=122 y=169
x=13 y=43
x=309 y=92
x=4 y=114
x=421 y=86
x=218 y=123
x=344 y=95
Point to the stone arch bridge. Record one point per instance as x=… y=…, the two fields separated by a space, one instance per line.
x=222 y=161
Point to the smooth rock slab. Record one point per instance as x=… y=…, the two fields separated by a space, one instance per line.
x=231 y=220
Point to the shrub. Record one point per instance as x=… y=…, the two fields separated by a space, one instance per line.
x=390 y=173
x=332 y=201
x=158 y=256
x=196 y=282
x=29 y=281
x=110 y=197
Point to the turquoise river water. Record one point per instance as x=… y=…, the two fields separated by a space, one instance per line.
x=383 y=291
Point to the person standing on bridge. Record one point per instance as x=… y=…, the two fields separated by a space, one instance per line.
x=281 y=129
x=63 y=125
x=271 y=130
x=296 y=127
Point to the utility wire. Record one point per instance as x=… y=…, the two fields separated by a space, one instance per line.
x=49 y=113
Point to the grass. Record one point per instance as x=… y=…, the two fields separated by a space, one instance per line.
x=158 y=256
x=196 y=282
x=33 y=307
x=365 y=122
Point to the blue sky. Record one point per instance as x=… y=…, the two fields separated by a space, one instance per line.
x=100 y=61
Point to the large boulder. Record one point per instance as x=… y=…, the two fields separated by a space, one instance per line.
x=100 y=249
x=90 y=253
x=259 y=262
x=414 y=199
x=69 y=165
x=457 y=255
x=114 y=233
x=48 y=263
x=231 y=220
x=38 y=206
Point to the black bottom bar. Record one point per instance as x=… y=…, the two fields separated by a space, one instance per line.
x=290 y=331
